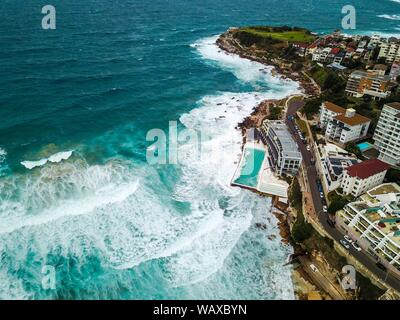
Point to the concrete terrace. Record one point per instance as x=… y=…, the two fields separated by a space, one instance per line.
x=267 y=182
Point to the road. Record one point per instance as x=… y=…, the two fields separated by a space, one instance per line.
x=319 y=279
x=312 y=177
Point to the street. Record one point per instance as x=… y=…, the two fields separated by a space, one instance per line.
x=312 y=177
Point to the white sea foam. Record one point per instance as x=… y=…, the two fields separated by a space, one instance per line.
x=389 y=16
x=77 y=209
x=55 y=158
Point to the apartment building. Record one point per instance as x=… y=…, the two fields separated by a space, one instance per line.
x=370 y=83
x=387 y=134
x=374 y=222
x=390 y=51
x=331 y=163
x=394 y=71
x=363 y=176
x=284 y=155
x=342 y=125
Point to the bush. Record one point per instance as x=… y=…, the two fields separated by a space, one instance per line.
x=312 y=107
x=393 y=175
x=302 y=230
x=295 y=195
x=353 y=148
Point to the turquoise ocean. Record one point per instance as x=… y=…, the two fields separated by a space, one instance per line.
x=76 y=104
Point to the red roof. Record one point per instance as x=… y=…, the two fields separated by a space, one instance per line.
x=367 y=168
x=335 y=50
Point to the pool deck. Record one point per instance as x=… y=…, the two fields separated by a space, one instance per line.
x=267 y=182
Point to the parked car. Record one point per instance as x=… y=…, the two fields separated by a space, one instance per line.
x=322 y=195
x=345 y=244
x=348 y=239
x=356 y=246
x=325 y=209
x=381 y=266
x=308 y=148
x=314 y=268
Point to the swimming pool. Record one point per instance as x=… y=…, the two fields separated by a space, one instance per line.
x=364 y=146
x=250 y=167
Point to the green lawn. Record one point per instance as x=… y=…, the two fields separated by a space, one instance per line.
x=290 y=36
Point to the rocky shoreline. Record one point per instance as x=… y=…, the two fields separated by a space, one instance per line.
x=228 y=43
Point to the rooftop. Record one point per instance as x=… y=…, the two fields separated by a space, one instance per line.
x=334 y=107
x=289 y=146
x=370 y=75
x=385 y=189
x=352 y=121
x=367 y=168
x=394 y=105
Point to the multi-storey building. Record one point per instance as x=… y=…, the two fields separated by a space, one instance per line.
x=394 y=71
x=331 y=163
x=374 y=222
x=370 y=83
x=284 y=154
x=390 y=51
x=342 y=125
x=361 y=177
x=387 y=134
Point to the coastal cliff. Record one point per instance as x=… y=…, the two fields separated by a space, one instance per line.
x=276 y=54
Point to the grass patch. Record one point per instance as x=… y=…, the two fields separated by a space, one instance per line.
x=289 y=36
x=302 y=126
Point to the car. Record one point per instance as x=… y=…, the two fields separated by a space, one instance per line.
x=345 y=244
x=325 y=209
x=308 y=148
x=356 y=246
x=348 y=239
x=381 y=266
x=314 y=268
x=322 y=195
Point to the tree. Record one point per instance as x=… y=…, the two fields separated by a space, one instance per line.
x=311 y=107
x=295 y=195
x=393 y=175
x=302 y=230
x=353 y=148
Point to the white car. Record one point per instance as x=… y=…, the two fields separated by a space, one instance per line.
x=348 y=239
x=356 y=246
x=325 y=209
x=345 y=244
x=314 y=268
x=308 y=148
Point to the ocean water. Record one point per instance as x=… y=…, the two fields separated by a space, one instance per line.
x=76 y=191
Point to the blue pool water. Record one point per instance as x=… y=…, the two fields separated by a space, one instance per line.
x=364 y=146
x=251 y=167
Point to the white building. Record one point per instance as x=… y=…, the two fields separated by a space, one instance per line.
x=370 y=83
x=361 y=177
x=284 y=154
x=374 y=222
x=394 y=71
x=342 y=125
x=387 y=134
x=331 y=163
x=390 y=51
